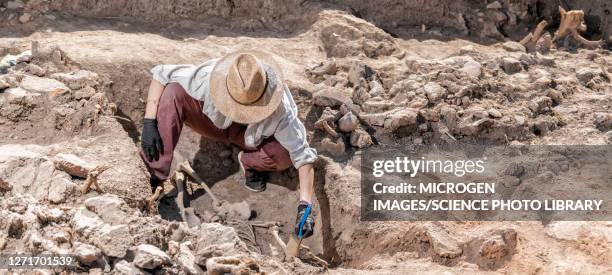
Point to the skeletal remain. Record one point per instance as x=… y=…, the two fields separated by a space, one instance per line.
x=92 y=179
x=274 y=230
x=572 y=23
x=154 y=198
x=534 y=36
x=324 y=125
x=186 y=167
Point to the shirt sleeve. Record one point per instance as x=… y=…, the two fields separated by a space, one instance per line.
x=291 y=134
x=193 y=78
x=171 y=73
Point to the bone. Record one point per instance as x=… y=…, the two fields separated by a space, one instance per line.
x=92 y=179
x=274 y=230
x=154 y=198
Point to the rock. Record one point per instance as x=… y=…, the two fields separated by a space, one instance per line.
x=343 y=35
x=361 y=139
x=216 y=240
x=556 y=96
x=36 y=70
x=16 y=93
x=608 y=135
x=113 y=240
x=495 y=5
x=376 y=89
x=603 y=121
x=86 y=253
x=108 y=207
x=234 y=211
x=434 y=91
x=513 y=46
x=4 y=84
x=334 y=148
x=86 y=222
x=186 y=260
x=585 y=75
x=13 y=5
x=43 y=85
x=444 y=245
x=358 y=71
x=511 y=65
x=466 y=50
x=72 y=165
x=78 y=80
x=545 y=60
x=149 y=257
x=60 y=188
x=348 y=122
x=324 y=68
x=25 y=18
x=528 y=59
x=400 y=118
x=26 y=169
x=125 y=268
x=472 y=69
x=231 y=265
x=494 y=113
x=544 y=44
x=331 y=97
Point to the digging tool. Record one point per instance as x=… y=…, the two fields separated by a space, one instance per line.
x=293 y=245
x=187 y=214
x=186 y=167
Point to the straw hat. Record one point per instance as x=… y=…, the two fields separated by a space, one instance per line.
x=246 y=86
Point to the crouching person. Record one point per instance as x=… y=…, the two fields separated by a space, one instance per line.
x=240 y=99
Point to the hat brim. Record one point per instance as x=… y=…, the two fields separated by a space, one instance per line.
x=256 y=111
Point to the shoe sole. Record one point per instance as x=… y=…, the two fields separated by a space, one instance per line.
x=253 y=190
x=244 y=173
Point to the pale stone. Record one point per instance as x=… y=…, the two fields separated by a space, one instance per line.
x=78 y=80
x=401 y=118
x=348 y=122
x=86 y=222
x=513 y=46
x=113 y=240
x=215 y=239
x=125 y=268
x=360 y=139
x=149 y=257
x=187 y=261
x=85 y=253
x=72 y=165
x=434 y=91
x=330 y=97
x=108 y=207
x=43 y=85
x=511 y=65
x=25 y=18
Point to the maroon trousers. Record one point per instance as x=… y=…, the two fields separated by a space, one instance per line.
x=176 y=108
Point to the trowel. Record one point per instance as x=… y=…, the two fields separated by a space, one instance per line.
x=293 y=245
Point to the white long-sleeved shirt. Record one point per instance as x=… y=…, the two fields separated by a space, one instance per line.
x=283 y=123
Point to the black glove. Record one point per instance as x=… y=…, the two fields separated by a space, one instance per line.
x=150 y=141
x=304 y=218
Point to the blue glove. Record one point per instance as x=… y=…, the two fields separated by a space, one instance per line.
x=304 y=224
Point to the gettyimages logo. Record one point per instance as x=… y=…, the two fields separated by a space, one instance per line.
x=478 y=182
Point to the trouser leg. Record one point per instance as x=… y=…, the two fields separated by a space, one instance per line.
x=269 y=156
x=175 y=107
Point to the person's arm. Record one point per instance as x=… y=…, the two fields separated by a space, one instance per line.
x=306 y=177
x=155 y=92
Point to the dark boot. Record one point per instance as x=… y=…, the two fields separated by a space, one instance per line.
x=256 y=180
